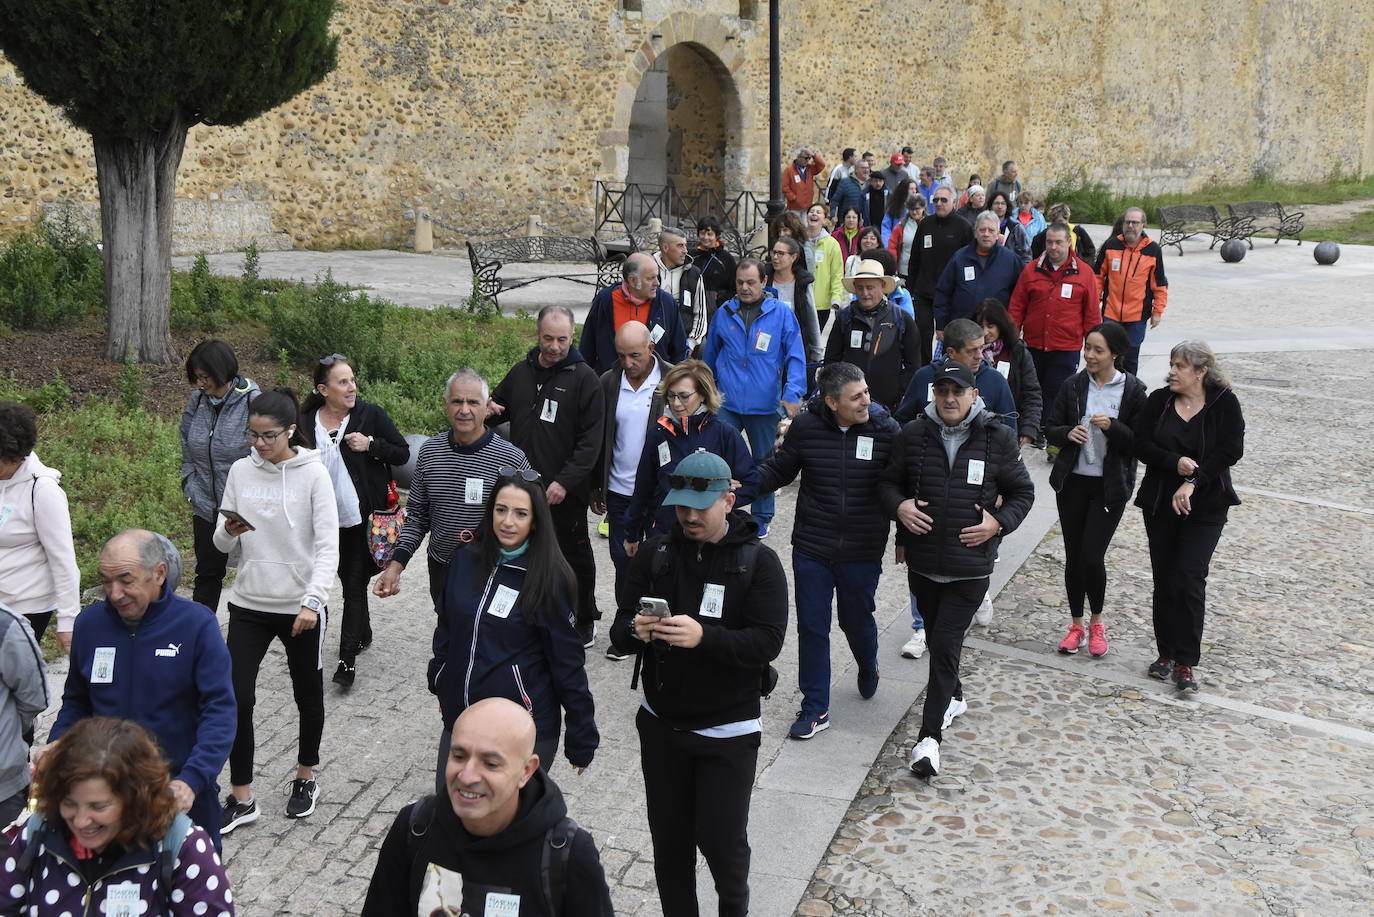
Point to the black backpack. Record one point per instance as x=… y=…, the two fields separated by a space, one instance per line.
x=553 y=860
x=740 y=569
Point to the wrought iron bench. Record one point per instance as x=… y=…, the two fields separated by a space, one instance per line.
x=1285 y=224
x=489 y=256
x=1183 y=221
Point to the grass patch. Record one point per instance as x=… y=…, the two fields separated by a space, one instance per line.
x=1359 y=231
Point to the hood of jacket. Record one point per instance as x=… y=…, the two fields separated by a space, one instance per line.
x=277 y=471
x=30 y=470
x=572 y=356
x=952 y=437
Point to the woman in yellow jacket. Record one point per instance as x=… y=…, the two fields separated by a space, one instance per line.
x=827 y=265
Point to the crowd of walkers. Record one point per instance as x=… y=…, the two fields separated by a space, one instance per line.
x=700 y=386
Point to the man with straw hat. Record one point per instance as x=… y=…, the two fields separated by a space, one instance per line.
x=875 y=335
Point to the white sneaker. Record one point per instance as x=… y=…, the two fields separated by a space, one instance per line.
x=916 y=646
x=925 y=758
x=957 y=707
x=983 y=616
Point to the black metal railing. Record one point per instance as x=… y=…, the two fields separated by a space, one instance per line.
x=625 y=207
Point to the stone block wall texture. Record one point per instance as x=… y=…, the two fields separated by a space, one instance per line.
x=484 y=112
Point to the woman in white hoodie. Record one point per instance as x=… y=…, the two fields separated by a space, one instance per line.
x=287 y=524
x=38 y=573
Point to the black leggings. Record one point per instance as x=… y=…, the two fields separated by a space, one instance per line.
x=356 y=568
x=211 y=564
x=1088 y=524
x=250 y=634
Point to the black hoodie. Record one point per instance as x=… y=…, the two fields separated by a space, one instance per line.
x=507 y=863
x=557 y=417
x=717 y=681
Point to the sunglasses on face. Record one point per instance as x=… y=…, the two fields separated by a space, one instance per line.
x=524 y=474
x=683 y=482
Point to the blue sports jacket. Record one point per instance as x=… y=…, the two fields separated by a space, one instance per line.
x=758 y=366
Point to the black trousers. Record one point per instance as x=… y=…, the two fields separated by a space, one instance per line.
x=438 y=580
x=924 y=306
x=697 y=793
x=948 y=611
x=211 y=564
x=250 y=634
x=1181 y=549
x=570 y=525
x=1088 y=524
x=356 y=569
x=38 y=623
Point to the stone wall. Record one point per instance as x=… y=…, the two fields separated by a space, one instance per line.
x=485 y=112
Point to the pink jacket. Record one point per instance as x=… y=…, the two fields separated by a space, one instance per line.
x=37 y=561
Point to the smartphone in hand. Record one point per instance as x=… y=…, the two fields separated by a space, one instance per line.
x=648 y=605
x=230 y=514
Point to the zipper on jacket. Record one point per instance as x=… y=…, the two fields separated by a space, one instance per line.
x=520 y=686
x=86 y=898
x=476 y=627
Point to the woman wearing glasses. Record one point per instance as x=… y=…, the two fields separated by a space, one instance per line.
x=505 y=626
x=791 y=282
x=212 y=428
x=358 y=444
x=689 y=390
x=285 y=520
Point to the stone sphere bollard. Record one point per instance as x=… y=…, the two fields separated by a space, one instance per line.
x=404 y=474
x=1326 y=252
x=1232 y=251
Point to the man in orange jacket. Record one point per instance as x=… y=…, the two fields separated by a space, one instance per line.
x=799 y=181
x=1135 y=292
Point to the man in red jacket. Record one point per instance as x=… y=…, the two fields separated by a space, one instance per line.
x=799 y=181
x=1055 y=304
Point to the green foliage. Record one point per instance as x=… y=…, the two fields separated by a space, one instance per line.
x=131 y=387
x=51 y=277
x=132 y=67
x=203 y=301
x=43 y=399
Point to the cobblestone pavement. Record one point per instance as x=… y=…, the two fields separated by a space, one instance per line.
x=1072 y=784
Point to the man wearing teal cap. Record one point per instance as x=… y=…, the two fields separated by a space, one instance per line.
x=705 y=659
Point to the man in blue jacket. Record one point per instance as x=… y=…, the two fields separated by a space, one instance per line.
x=754 y=347
x=963 y=343
x=986 y=269
x=639 y=299
x=146 y=654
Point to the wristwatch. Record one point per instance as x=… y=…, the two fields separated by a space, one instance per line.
x=313 y=604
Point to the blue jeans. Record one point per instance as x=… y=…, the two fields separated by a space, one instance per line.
x=616 y=504
x=1135 y=331
x=761 y=430
x=1053 y=368
x=917 y=622
x=853 y=584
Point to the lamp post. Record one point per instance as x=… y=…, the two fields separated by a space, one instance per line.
x=776 y=205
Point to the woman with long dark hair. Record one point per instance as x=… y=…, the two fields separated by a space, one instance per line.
x=896 y=208
x=358 y=444
x=791 y=283
x=1189 y=435
x=1006 y=352
x=851 y=221
x=1091 y=422
x=286 y=521
x=505 y=625
x=106 y=829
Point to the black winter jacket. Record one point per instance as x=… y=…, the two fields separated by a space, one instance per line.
x=888 y=351
x=557 y=418
x=919 y=468
x=1118 y=465
x=1025 y=388
x=1222 y=442
x=838 y=516
x=369 y=471
x=717 y=681
x=717 y=268
x=508 y=862
x=947 y=235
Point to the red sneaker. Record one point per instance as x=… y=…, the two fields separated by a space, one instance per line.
x=1076 y=638
x=1097 y=639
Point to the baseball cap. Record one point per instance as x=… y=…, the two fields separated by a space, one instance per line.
x=898 y=159
x=698 y=481
x=955 y=372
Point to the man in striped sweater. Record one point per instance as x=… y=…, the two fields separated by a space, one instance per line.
x=454 y=474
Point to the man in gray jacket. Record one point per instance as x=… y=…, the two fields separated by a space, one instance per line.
x=23 y=695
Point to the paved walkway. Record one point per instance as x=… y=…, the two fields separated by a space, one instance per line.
x=1072 y=784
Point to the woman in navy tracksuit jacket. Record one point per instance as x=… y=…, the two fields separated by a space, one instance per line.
x=505 y=626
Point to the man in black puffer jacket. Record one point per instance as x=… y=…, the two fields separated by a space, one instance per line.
x=839 y=444
x=948 y=470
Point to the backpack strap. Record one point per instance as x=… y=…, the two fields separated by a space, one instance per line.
x=553 y=863
x=32 y=829
x=168 y=849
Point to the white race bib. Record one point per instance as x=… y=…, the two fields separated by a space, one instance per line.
x=5 y=512
x=472 y=490
x=969 y=272
x=499 y=905
x=665 y=455
x=1066 y=290
x=930 y=392
x=712 y=601
x=856 y=339
x=762 y=341
x=550 y=412
x=503 y=601
x=102 y=666
x=656 y=333
x=1116 y=264
x=863 y=448
x=123 y=900
x=1005 y=370
x=929 y=241
x=975 y=471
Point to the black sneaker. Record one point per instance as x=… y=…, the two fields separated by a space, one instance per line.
x=345 y=674
x=237 y=813
x=616 y=655
x=1183 y=678
x=303 y=796
x=1161 y=668
x=587 y=632
x=868 y=683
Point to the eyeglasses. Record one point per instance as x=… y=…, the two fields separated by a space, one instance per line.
x=332 y=359
x=1134 y=222
x=524 y=474
x=268 y=437
x=682 y=482
x=680 y=396
x=778 y=252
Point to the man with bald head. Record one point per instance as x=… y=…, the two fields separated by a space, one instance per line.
x=633 y=406
x=639 y=298
x=501 y=842
x=146 y=654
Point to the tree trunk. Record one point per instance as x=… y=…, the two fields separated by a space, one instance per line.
x=137 y=177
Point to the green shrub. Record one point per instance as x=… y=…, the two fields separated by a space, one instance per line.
x=312 y=322
x=51 y=276
x=43 y=399
x=1089 y=201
